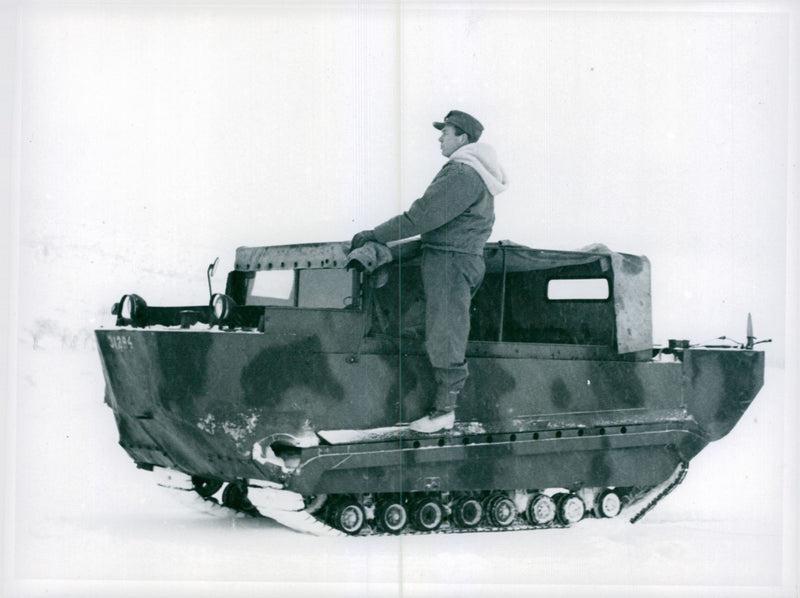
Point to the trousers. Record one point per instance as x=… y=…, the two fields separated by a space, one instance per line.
x=450 y=280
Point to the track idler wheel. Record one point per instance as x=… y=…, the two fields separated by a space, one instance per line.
x=391 y=516
x=569 y=508
x=467 y=512
x=235 y=497
x=348 y=516
x=608 y=504
x=427 y=514
x=500 y=510
x=205 y=487
x=541 y=510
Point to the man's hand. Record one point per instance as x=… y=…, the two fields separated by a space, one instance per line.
x=361 y=238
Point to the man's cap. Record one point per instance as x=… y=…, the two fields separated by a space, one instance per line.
x=467 y=123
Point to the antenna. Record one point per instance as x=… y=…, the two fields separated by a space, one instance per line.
x=750 y=338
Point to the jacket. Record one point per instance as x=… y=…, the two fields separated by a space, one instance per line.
x=456 y=212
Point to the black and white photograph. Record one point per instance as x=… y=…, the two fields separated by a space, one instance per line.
x=401 y=299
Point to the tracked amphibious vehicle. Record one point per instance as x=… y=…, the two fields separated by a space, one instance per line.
x=286 y=396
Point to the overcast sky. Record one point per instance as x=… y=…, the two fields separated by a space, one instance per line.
x=150 y=139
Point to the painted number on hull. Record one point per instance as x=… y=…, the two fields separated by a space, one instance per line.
x=120 y=342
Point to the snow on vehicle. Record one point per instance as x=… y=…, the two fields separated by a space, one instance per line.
x=286 y=396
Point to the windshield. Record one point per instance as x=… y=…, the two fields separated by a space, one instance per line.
x=322 y=287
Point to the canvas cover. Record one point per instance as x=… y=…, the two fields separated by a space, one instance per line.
x=630 y=275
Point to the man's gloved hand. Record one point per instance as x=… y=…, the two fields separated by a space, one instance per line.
x=361 y=238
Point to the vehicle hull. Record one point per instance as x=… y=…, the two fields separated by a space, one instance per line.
x=210 y=403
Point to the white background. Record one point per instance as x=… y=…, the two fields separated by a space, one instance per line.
x=147 y=140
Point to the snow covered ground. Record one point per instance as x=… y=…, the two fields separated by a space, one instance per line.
x=86 y=522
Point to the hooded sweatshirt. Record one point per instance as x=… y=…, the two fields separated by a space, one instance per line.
x=456 y=212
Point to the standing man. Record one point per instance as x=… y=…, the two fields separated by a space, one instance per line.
x=454 y=218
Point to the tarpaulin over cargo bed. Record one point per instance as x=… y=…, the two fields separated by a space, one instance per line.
x=628 y=275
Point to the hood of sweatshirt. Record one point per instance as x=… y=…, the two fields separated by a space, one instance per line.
x=483 y=159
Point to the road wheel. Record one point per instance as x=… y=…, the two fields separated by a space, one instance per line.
x=502 y=511
x=467 y=512
x=427 y=514
x=348 y=516
x=608 y=504
x=541 y=510
x=391 y=516
x=569 y=508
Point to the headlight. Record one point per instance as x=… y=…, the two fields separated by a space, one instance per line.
x=131 y=308
x=221 y=308
x=126 y=308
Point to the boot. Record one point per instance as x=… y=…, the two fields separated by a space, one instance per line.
x=433 y=422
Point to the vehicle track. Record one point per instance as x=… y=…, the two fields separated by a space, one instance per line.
x=416 y=514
